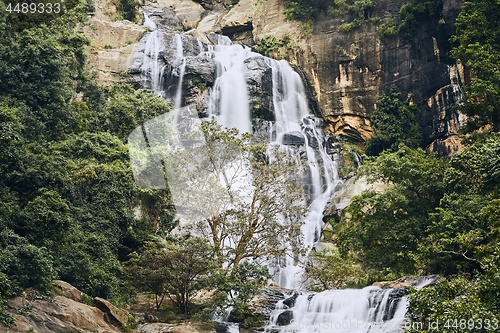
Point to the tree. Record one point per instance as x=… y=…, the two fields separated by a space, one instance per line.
x=178 y=269
x=234 y=289
x=462 y=243
x=478 y=47
x=385 y=228
x=223 y=185
x=464 y=226
x=261 y=203
x=328 y=269
x=393 y=123
x=458 y=304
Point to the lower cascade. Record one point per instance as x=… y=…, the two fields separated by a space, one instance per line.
x=371 y=309
x=228 y=99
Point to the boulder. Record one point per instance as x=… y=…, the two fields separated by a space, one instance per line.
x=67 y=290
x=285 y=318
x=57 y=315
x=114 y=314
x=294 y=139
x=290 y=301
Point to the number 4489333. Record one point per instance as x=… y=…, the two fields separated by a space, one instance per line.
x=32 y=7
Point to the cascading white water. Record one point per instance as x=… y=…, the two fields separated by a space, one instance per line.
x=372 y=308
x=182 y=69
x=151 y=69
x=293 y=118
x=229 y=100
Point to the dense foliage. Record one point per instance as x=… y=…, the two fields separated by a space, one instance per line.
x=436 y=216
x=66 y=192
x=393 y=123
x=414 y=11
x=478 y=47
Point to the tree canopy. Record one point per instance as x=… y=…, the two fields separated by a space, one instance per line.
x=436 y=216
x=478 y=48
x=67 y=195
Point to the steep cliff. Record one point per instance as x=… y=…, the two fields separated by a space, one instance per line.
x=347 y=68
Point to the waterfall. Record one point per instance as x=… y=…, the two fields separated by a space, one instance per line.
x=229 y=100
x=293 y=120
x=182 y=70
x=299 y=134
x=151 y=69
x=370 y=309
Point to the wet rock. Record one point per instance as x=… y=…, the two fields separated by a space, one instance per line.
x=260 y=88
x=290 y=301
x=199 y=70
x=294 y=138
x=285 y=318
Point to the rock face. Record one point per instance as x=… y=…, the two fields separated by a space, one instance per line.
x=113 y=314
x=346 y=71
x=65 y=312
x=349 y=70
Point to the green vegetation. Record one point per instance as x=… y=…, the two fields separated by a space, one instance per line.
x=305 y=10
x=269 y=45
x=328 y=269
x=393 y=123
x=129 y=9
x=67 y=193
x=302 y=10
x=414 y=12
x=437 y=216
x=234 y=288
x=388 y=28
x=478 y=47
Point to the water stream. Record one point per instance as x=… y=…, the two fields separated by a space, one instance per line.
x=152 y=67
x=298 y=133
